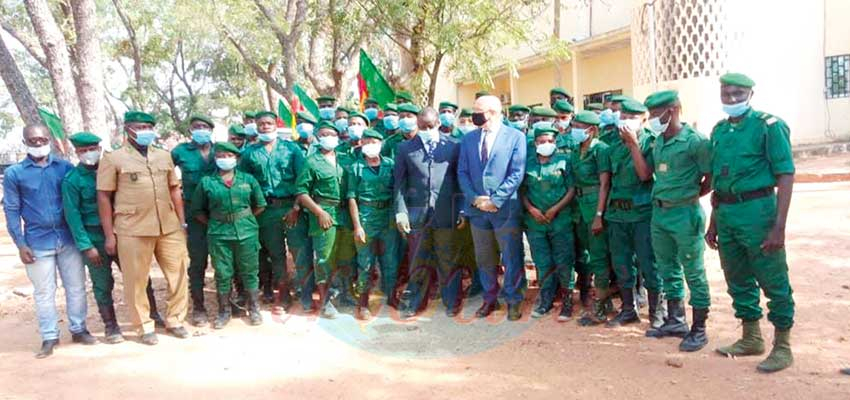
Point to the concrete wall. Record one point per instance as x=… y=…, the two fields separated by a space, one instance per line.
x=837 y=42
x=610 y=70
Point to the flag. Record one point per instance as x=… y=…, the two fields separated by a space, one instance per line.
x=372 y=83
x=306 y=101
x=286 y=116
x=54 y=124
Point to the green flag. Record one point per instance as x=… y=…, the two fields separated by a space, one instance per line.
x=373 y=82
x=54 y=124
x=283 y=112
x=306 y=101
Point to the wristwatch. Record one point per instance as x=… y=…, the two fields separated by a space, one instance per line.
x=599 y=213
x=184 y=225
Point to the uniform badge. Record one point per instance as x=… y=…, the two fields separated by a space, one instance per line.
x=662 y=167
x=134 y=176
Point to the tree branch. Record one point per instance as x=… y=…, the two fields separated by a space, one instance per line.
x=31 y=46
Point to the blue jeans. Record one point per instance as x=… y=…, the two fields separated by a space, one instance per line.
x=42 y=273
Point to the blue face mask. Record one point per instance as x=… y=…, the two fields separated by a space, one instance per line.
x=737 y=109
x=578 y=135
x=371 y=113
x=608 y=117
x=407 y=124
x=267 y=137
x=251 y=129
x=225 y=164
x=391 y=122
x=519 y=124
x=341 y=124
x=355 y=132
x=542 y=124
x=466 y=128
x=563 y=124
x=305 y=129
x=327 y=113
x=201 y=136
x=447 y=120
x=145 y=138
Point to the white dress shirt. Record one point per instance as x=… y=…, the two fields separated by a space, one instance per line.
x=489 y=135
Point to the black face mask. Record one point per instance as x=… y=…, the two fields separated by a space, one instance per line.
x=479 y=119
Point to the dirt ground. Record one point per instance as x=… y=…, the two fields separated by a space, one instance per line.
x=436 y=357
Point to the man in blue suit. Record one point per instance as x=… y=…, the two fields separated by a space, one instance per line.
x=490 y=169
x=428 y=202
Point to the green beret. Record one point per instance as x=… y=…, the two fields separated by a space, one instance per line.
x=202 y=118
x=561 y=91
x=466 y=112
x=545 y=131
x=619 y=98
x=139 y=116
x=594 y=107
x=250 y=114
x=391 y=107
x=411 y=108
x=371 y=133
x=587 y=117
x=343 y=109
x=81 y=139
x=227 y=147
x=447 y=104
x=661 y=99
x=563 y=106
x=518 y=108
x=236 y=129
x=370 y=100
x=402 y=94
x=736 y=79
x=358 y=115
x=543 y=112
x=633 y=107
x=261 y=114
x=326 y=98
x=482 y=93
x=324 y=125
x=305 y=116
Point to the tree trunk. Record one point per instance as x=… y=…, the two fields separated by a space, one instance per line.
x=88 y=67
x=17 y=86
x=58 y=64
x=270 y=95
x=433 y=76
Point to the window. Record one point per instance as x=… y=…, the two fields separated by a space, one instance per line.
x=838 y=76
x=601 y=97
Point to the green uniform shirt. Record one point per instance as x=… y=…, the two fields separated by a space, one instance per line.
x=372 y=185
x=544 y=186
x=680 y=162
x=350 y=156
x=586 y=168
x=625 y=183
x=325 y=184
x=564 y=143
x=749 y=154
x=390 y=145
x=218 y=202
x=79 y=200
x=456 y=134
x=193 y=165
x=610 y=134
x=275 y=171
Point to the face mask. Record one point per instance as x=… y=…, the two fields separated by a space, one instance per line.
x=632 y=125
x=267 y=137
x=479 y=119
x=656 y=126
x=251 y=129
x=145 y=138
x=201 y=136
x=519 y=124
x=371 y=113
x=563 y=124
x=355 y=132
x=371 y=150
x=90 y=157
x=328 y=143
x=608 y=117
x=341 y=124
x=447 y=120
x=541 y=125
x=39 y=151
x=546 y=149
x=466 y=128
x=327 y=113
x=225 y=164
x=430 y=136
x=304 y=129
x=407 y=125
x=391 y=122
x=737 y=109
x=578 y=135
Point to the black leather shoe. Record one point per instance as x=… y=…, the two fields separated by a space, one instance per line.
x=150 y=339
x=178 y=332
x=845 y=371
x=486 y=309
x=47 y=348
x=83 y=337
x=514 y=311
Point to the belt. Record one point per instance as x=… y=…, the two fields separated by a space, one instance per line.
x=324 y=201
x=279 y=201
x=622 y=204
x=732 y=198
x=677 y=203
x=375 y=203
x=231 y=217
x=581 y=191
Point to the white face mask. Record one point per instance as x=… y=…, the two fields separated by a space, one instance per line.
x=431 y=135
x=632 y=125
x=39 y=151
x=371 y=150
x=90 y=157
x=546 y=149
x=656 y=126
x=328 y=143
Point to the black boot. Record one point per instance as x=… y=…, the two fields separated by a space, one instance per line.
x=675 y=325
x=326 y=308
x=47 y=348
x=657 y=310
x=154 y=313
x=566 y=307
x=363 y=312
x=111 y=331
x=199 y=312
x=627 y=314
x=254 y=316
x=267 y=286
x=696 y=338
x=544 y=303
x=223 y=311
x=237 y=303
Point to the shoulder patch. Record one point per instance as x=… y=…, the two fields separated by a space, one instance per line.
x=771 y=120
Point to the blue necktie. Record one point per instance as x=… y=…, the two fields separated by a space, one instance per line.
x=484 y=151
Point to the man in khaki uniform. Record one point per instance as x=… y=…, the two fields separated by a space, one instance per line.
x=141 y=210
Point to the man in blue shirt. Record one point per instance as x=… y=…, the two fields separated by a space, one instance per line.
x=32 y=192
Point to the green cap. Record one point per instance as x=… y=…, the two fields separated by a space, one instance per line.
x=633 y=107
x=139 y=116
x=326 y=124
x=391 y=107
x=518 y=108
x=543 y=112
x=227 y=147
x=466 y=112
x=661 y=99
x=81 y=139
x=326 y=98
x=736 y=79
x=403 y=94
x=619 y=98
x=261 y=114
x=587 y=117
x=371 y=133
x=344 y=109
x=250 y=114
x=595 y=107
x=370 y=100
x=411 y=108
x=545 y=131
x=447 y=104
x=563 y=106
x=358 y=115
x=561 y=91
x=481 y=93
x=305 y=116
x=202 y=118
x=237 y=129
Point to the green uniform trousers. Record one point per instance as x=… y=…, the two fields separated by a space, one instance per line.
x=300 y=245
x=596 y=248
x=102 y=281
x=274 y=237
x=677 y=240
x=324 y=245
x=232 y=256
x=346 y=252
x=553 y=253
x=631 y=251
x=381 y=246
x=196 y=243
x=741 y=229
